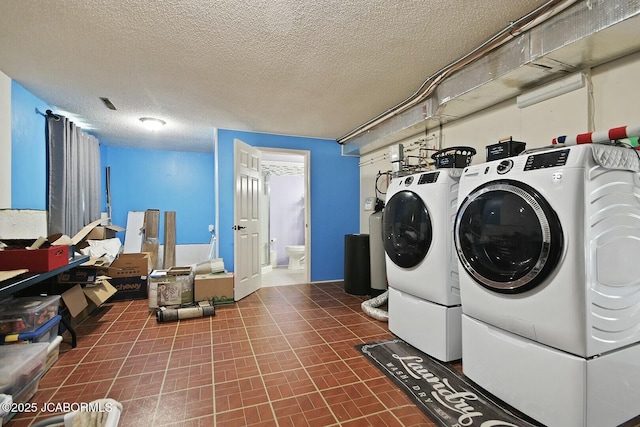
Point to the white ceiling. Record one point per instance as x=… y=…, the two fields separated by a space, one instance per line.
x=317 y=68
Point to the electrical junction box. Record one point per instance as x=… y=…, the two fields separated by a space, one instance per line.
x=396 y=156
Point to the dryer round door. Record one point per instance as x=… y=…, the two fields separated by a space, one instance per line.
x=406 y=229
x=507 y=236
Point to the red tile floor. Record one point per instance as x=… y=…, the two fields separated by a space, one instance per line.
x=283 y=356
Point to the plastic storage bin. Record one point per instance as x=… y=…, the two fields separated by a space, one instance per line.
x=53 y=352
x=25 y=394
x=20 y=365
x=5 y=405
x=26 y=314
x=45 y=333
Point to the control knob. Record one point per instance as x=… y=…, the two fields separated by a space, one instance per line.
x=504 y=166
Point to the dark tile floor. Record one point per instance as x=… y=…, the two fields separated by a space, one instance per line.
x=283 y=356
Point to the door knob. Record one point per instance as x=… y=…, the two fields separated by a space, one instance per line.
x=238 y=227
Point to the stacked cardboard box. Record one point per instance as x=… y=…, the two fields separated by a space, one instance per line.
x=171 y=288
x=129 y=274
x=214 y=287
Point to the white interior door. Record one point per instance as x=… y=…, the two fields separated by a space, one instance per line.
x=246 y=213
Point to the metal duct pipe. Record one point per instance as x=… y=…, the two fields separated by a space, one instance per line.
x=540 y=14
x=587 y=34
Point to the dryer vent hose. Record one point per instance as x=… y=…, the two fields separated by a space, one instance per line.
x=370 y=307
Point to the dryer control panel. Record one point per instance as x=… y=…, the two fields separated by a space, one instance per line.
x=551 y=159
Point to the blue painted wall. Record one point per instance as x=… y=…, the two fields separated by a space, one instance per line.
x=28 y=150
x=335 y=196
x=184 y=182
x=166 y=180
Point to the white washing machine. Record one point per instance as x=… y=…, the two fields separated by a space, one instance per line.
x=422 y=266
x=549 y=289
x=548 y=246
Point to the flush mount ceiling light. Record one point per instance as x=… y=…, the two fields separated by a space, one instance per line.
x=151 y=123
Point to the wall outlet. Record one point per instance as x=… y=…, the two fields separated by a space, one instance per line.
x=369 y=203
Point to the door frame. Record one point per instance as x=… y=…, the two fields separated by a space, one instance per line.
x=306 y=154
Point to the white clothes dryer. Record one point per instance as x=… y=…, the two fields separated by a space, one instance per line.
x=417 y=229
x=547 y=244
x=422 y=266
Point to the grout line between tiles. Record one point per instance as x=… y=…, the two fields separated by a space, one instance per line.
x=79 y=362
x=349 y=367
x=129 y=352
x=213 y=374
x=297 y=299
x=302 y=364
x=166 y=369
x=255 y=358
x=330 y=345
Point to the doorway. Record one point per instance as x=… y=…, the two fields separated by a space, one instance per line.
x=285 y=217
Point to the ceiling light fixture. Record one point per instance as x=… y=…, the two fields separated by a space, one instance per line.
x=151 y=123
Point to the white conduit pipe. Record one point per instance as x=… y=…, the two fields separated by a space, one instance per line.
x=370 y=307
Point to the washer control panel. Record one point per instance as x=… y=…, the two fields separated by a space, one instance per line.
x=551 y=159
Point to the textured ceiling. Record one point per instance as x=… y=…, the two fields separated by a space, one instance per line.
x=317 y=68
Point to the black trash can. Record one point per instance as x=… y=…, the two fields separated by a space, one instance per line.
x=357 y=273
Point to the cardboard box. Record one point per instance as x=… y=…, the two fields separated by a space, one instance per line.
x=129 y=265
x=35 y=260
x=78 y=298
x=130 y=288
x=172 y=287
x=217 y=287
x=103 y=232
x=98 y=293
x=79 y=275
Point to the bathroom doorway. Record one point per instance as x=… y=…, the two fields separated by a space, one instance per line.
x=285 y=217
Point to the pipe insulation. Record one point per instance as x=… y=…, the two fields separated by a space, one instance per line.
x=370 y=307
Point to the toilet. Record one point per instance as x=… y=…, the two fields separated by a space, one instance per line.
x=296 y=256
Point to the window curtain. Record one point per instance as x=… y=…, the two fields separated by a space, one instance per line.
x=73 y=181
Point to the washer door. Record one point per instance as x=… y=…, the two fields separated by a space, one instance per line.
x=406 y=229
x=507 y=236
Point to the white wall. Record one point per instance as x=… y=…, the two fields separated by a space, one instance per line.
x=5 y=141
x=614 y=87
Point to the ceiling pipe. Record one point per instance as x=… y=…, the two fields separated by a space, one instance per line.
x=529 y=21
